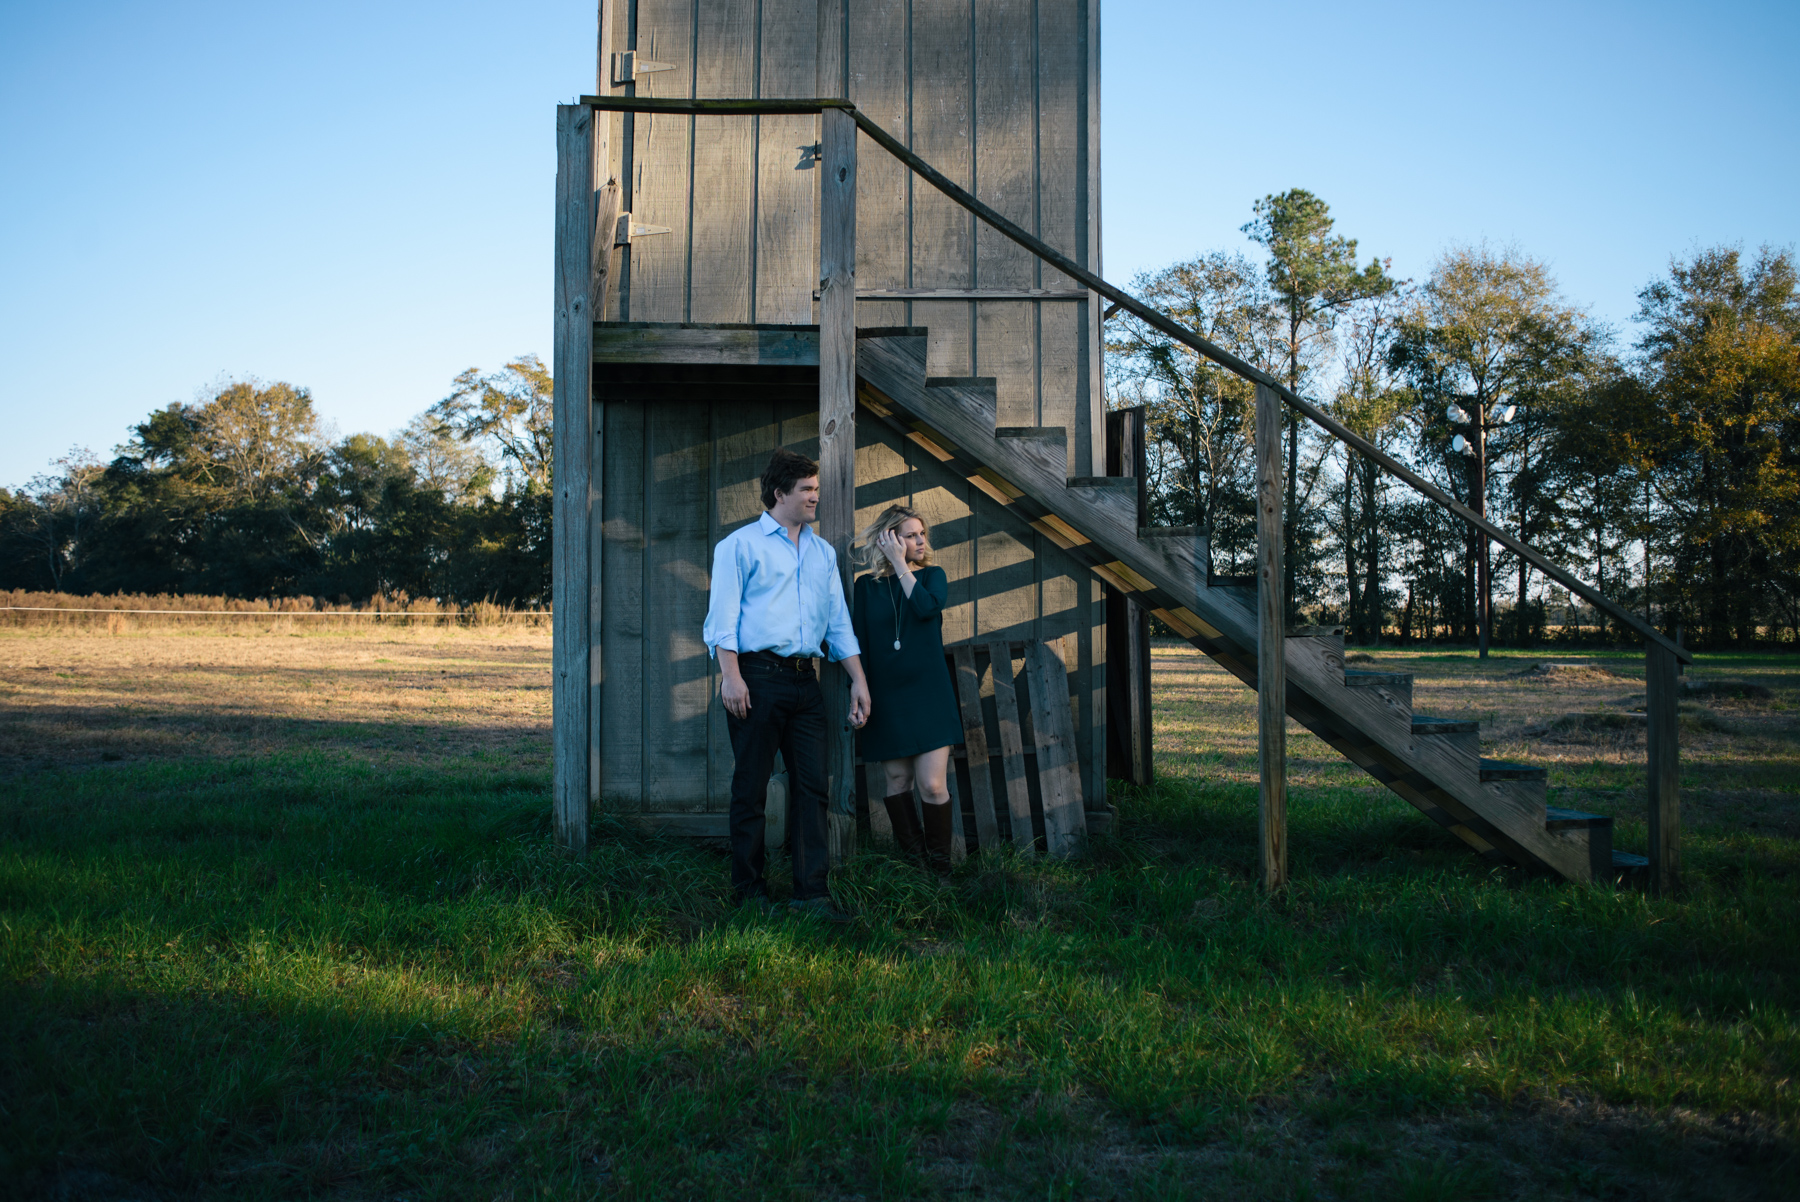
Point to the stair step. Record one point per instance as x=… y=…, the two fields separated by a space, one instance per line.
x=1507 y=770
x=1421 y=725
x=1373 y=680
x=1046 y=446
x=1558 y=819
x=1111 y=499
x=1626 y=861
x=983 y=382
x=1124 y=485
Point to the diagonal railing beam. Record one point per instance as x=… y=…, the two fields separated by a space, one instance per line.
x=1231 y=362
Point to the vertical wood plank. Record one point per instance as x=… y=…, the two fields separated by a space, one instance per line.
x=1087 y=219
x=832 y=51
x=1053 y=733
x=661 y=165
x=981 y=780
x=787 y=230
x=622 y=633
x=572 y=415
x=879 y=84
x=721 y=265
x=1069 y=366
x=1012 y=746
x=881 y=827
x=1005 y=173
x=942 y=128
x=677 y=670
x=605 y=257
x=837 y=426
x=1271 y=636
x=1663 y=747
x=596 y=554
x=959 y=846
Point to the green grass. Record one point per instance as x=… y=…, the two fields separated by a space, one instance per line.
x=295 y=977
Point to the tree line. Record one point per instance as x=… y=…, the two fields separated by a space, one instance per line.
x=244 y=493
x=1664 y=468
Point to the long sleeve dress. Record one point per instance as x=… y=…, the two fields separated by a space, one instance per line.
x=913 y=704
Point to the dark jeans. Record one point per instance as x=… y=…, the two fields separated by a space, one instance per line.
x=787 y=714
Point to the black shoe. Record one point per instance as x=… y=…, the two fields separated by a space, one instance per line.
x=819 y=907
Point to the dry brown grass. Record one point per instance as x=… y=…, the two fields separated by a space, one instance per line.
x=71 y=696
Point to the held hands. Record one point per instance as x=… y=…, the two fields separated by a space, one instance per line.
x=859 y=702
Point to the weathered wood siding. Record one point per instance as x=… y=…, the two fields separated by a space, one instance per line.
x=1001 y=95
x=679 y=468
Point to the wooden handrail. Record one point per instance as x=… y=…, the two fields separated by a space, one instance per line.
x=681 y=104
x=1156 y=319
x=1231 y=362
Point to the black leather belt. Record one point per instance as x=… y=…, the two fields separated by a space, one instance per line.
x=793 y=663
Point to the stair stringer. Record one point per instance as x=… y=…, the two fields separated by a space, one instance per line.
x=955 y=417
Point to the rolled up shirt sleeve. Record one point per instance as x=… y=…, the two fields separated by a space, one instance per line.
x=725 y=599
x=840 y=632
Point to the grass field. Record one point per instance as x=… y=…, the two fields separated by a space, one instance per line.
x=278 y=918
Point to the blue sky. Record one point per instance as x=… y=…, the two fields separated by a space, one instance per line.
x=357 y=198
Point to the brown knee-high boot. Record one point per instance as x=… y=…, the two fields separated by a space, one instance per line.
x=905 y=819
x=937 y=836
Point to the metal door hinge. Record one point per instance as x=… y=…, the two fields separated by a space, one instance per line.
x=627 y=229
x=627 y=66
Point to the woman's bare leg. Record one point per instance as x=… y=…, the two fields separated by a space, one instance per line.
x=932 y=771
x=899 y=775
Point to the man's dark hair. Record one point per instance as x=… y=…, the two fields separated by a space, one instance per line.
x=785 y=470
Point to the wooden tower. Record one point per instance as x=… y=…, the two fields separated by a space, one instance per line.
x=708 y=319
x=869 y=230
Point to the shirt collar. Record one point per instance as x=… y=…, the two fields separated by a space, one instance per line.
x=768 y=525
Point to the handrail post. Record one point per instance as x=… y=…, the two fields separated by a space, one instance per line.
x=837 y=436
x=1271 y=639
x=571 y=504
x=1662 y=723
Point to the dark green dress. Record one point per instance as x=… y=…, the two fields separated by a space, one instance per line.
x=913 y=703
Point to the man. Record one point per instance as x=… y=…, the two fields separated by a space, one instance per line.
x=776 y=597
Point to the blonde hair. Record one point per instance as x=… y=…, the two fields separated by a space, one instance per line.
x=869 y=556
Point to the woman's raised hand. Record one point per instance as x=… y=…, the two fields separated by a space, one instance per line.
x=889 y=544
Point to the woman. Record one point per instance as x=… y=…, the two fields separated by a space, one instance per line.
x=897 y=609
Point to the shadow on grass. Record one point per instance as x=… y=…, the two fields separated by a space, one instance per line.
x=293 y=976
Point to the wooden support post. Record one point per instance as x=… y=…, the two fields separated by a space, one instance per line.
x=837 y=435
x=572 y=474
x=1662 y=722
x=1129 y=744
x=1271 y=637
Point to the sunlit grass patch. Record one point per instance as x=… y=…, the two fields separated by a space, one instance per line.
x=290 y=973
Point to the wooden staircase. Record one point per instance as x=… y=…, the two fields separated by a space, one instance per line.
x=1497 y=808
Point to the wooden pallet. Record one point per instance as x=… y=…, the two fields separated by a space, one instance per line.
x=1015 y=778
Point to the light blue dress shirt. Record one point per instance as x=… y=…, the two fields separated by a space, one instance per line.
x=769 y=595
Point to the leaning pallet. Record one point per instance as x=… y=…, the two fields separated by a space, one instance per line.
x=1014 y=779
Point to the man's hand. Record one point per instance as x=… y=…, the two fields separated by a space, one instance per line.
x=732 y=690
x=859 y=691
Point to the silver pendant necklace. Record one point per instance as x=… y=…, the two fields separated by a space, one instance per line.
x=895 y=598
